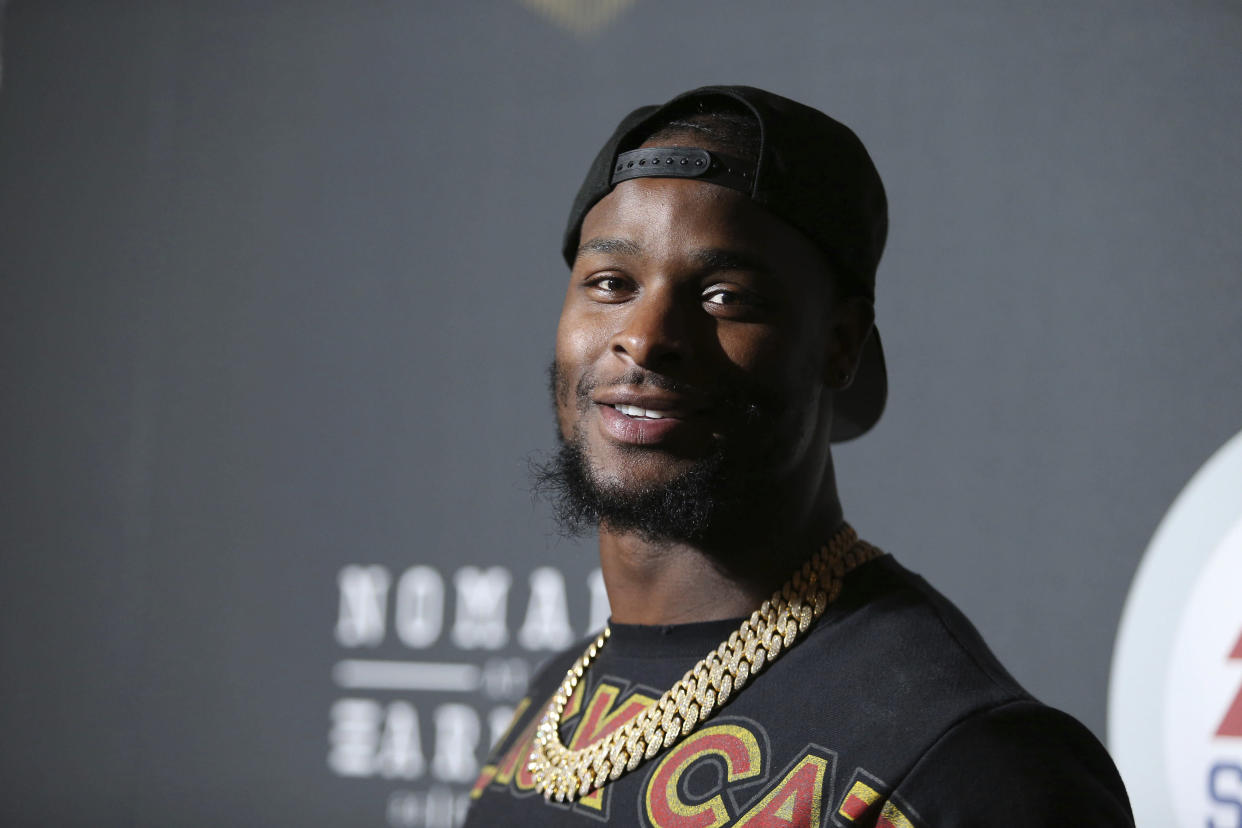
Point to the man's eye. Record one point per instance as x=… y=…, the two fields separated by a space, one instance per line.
x=608 y=288
x=722 y=297
x=729 y=302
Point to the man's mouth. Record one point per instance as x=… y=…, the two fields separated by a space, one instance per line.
x=645 y=416
x=648 y=404
x=639 y=413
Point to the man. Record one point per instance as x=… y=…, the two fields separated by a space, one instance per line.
x=762 y=665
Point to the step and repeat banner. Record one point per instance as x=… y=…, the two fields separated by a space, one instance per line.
x=278 y=289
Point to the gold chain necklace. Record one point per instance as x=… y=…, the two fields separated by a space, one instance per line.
x=565 y=774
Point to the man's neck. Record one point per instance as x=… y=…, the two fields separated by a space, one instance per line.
x=673 y=582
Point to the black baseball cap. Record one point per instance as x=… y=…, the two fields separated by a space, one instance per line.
x=812 y=172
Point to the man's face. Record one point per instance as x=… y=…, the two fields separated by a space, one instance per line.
x=696 y=329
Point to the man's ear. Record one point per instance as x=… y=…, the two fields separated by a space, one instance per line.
x=849 y=325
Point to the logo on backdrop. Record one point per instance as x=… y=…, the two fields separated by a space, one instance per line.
x=1175 y=700
x=581 y=17
x=425 y=723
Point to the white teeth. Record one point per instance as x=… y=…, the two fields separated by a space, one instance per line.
x=635 y=411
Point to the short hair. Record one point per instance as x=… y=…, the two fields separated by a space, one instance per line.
x=723 y=122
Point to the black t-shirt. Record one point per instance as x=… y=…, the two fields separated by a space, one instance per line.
x=890 y=712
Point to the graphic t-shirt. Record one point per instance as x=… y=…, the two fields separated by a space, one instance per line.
x=890 y=712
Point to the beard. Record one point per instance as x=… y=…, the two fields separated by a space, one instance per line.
x=681 y=509
x=726 y=492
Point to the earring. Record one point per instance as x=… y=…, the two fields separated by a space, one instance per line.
x=843 y=378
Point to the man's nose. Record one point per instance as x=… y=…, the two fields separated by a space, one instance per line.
x=655 y=333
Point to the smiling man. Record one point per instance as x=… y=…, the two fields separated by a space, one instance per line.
x=762 y=665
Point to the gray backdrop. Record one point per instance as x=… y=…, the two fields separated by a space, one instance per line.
x=278 y=283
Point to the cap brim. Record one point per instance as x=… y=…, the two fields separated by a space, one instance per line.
x=857 y=408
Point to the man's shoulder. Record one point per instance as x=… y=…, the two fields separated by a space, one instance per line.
x=896 y=666
x=891 y=624
x=962 y=737
x=1023 y=763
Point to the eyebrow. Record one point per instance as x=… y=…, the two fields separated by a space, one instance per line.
x=718 y=258
x=709 y=258
x=623 y=247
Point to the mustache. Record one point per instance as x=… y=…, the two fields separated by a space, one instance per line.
x=747 y=400
x=639 y=378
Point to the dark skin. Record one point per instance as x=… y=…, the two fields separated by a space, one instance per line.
x=693 y=283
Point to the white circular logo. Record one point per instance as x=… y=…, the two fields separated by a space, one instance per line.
x=1175 y=698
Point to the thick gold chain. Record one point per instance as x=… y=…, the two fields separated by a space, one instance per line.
x=564 y=774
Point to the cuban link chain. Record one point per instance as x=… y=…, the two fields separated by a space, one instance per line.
x=566 y=774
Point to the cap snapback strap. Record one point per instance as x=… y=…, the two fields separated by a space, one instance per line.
x=684 y=162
